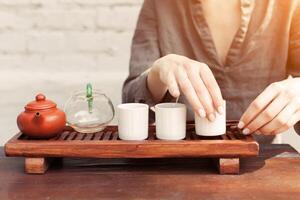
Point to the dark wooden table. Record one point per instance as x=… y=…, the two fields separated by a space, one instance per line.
x=275 y=174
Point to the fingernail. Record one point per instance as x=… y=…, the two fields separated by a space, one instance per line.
x=201 y=113
x=211 y=117
x=220 y=110
x=246 y=131
x=241 y=124
x=176 y=94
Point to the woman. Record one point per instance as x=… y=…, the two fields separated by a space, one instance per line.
x=204 y=51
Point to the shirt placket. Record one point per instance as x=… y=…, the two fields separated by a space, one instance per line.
x=203 y=30
x=247 y=7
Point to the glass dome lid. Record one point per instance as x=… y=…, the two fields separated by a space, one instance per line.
x=89 y=111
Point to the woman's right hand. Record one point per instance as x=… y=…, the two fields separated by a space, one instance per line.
x=177 y=73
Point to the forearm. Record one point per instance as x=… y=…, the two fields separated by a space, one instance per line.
x=135 y=90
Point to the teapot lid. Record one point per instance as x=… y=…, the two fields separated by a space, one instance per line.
x=40 y=103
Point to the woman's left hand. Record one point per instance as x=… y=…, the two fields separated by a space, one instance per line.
x=275 y=110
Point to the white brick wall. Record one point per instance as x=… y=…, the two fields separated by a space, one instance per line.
x=57 y=46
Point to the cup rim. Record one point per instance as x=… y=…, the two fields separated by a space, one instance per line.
x=170 y=105
x=133 y=106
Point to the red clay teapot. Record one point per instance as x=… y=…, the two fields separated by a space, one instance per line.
x=41 y=119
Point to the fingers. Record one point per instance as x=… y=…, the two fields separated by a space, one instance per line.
x=285 y=120
x=188 y=90
x=280 y=130
x=183 y=75
x=173 y=86
x=279 y=121
x=294 y=119
x=268 y=114
x=291 y=122
x=201 y=91
x=212 y=87
x=258 y=105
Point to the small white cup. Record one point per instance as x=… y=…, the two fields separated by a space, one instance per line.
x=170 y=120
x=133 y=121
x=204 y=127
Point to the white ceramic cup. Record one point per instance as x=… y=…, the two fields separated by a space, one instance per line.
x=204 y=127
x=133 y=121
x=170 y=120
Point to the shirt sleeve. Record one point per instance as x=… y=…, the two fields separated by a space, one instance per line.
x=144 y=51
x=293 y=64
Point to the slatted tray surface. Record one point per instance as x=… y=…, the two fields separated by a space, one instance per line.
x=106 y=144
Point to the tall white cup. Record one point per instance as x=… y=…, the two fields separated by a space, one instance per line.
x=170 y=120
x=133 y=121
x=204 y=127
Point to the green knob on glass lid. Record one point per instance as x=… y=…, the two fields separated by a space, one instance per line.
x=89 y=90
x=89 y=95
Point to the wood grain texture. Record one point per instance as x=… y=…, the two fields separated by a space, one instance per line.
x=36 y=165
x=273 y=174
x=229 y=148
x=107 y=145
x=229 y=165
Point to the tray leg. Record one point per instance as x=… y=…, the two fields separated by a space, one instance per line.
x=229 y=165
x=36 y=165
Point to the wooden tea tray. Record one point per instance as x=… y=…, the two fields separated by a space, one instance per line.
x=227 y=148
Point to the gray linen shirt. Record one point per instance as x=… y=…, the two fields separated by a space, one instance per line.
x=265 y=49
